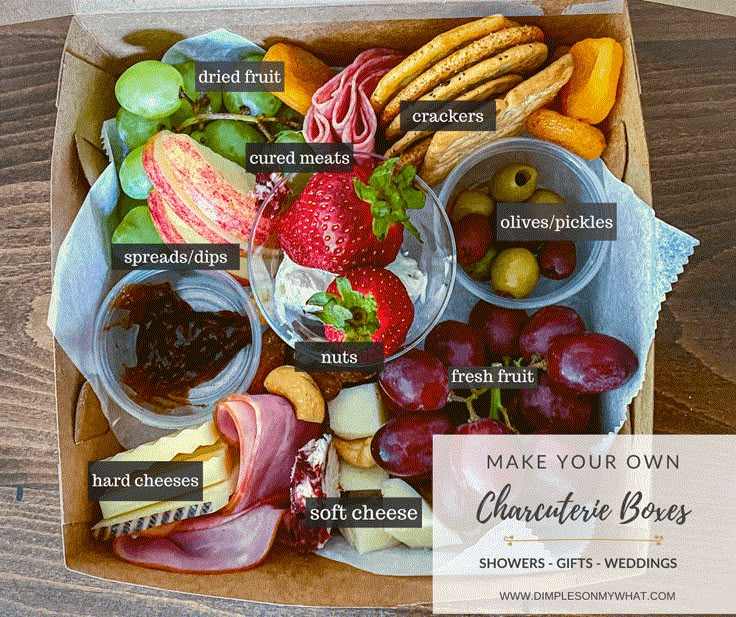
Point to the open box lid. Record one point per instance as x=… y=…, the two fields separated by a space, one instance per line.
x=16 y=11
x=22 y=10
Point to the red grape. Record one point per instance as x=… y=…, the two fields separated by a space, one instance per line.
x=500 y=326
x=416 y=381
x=590 y=363
x=483 y=426
x=473 y=238
x=456 y=344
x=546 y=324
x=554 y=408
x=557 y=259
x=403 y=446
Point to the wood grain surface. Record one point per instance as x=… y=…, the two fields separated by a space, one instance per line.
x=687 y=62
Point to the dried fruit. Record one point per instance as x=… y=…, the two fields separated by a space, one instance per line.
x=591 y=92
x=578 y=137
x=304 y=73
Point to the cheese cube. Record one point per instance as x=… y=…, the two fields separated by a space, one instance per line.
x=357 y=412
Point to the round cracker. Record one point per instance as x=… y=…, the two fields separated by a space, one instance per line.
x=447 y=149
x=440 y=46
x=481 y=93
x=415 y=154
x=488 y=46
x=519 y=59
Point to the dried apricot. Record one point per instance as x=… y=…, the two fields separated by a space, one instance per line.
x=578 y=137
x=304 y=73
x=591 y=92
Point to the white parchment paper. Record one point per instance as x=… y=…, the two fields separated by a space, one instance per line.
x=623 y=300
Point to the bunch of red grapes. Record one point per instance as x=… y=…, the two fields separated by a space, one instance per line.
x=575 y=366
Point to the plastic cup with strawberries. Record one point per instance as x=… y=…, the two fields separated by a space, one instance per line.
x=359 y=256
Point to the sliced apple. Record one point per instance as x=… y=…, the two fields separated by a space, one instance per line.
x=368 y=539
x=357 y=412
x=354 y=478
x=415 y=537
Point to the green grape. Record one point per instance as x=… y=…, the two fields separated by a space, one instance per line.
x=228 y=138
x=137 y=228
x=133 y=177
x=287 y=113
x=252 y=103
x=199 y=136
x=290 y=137
x=214 y=99
x=126 y=204
x=135 y=130
x=150 y=89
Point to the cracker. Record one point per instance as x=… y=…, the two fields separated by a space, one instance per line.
x=415 y=154
x=481 y=93
x=520 y=59
x=447 y=149
x=471 y=54
x=440 y=46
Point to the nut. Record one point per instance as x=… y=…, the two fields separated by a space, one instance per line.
x=300 y=390
x=357 y=452
x=329 y=384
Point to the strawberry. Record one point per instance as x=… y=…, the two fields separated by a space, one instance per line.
x=339 y=222
x=366 y=304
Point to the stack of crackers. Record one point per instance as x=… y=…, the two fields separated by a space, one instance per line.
x=480 y=60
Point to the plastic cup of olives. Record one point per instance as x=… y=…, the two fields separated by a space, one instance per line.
x=558 y=170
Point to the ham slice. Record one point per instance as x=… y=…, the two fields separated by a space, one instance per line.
x=239 y=536
x=341 y=110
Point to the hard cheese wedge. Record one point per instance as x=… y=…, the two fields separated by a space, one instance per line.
x=214 y=497
x=217 y=464
x=165 y=449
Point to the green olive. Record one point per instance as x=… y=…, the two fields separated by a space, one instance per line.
x=471 y=202
x=545 y=196
x=514 y=183
x=515 y=272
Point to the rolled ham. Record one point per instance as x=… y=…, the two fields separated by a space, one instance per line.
x=237 y=537
x=341 y=111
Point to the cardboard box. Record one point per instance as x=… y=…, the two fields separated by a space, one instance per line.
x=99 y=47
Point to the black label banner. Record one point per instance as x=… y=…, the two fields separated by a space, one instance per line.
x=447 y=115
x=298 y=157
x=145 y=481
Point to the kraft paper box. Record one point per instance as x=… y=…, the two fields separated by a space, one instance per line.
x=98 y=48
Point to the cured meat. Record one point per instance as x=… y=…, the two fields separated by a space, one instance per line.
x=341 y=111
x=237 y=537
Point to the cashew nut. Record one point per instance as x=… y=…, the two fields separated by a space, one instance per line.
x=357 y=452
x=300 y=390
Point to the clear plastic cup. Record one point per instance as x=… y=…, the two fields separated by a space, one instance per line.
x=558 y=170
x=435 y=257
x=114 y=347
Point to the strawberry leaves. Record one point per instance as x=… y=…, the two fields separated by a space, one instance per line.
x=351 y=312
x=391 y=193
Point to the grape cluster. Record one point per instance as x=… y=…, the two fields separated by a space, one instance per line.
x=575 y=365
x=156 y=96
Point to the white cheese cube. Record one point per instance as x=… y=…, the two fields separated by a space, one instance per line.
x=357 y=412
x=354 y=478
x=368 y=539
x=415 y=537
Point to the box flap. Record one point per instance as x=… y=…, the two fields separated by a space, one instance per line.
x=722 y=7
x=18 y=11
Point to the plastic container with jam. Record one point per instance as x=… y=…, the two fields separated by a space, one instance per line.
x=114 y=348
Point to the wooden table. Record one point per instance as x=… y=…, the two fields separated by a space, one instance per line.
x=687 y=61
